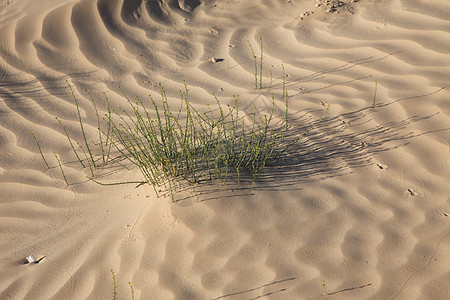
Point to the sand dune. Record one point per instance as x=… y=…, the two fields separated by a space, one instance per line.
x=362 y=204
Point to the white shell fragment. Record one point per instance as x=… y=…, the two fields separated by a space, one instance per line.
x=31 y=259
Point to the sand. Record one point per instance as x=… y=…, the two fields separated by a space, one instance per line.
x=362 y=206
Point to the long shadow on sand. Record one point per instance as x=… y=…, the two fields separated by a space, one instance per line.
x=335 y=148
x=257 y=288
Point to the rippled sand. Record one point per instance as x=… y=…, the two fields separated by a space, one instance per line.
x=363 y=204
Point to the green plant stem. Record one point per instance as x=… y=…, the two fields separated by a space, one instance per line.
x=256 y=66
x=114 y=284
x=261 y=62
x=40 y=150
x=324 y=288
x=132 y=290
x=61 y=168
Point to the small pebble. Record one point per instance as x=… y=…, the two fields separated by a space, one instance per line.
x=349 y=10
x=412 y=192
x=329 y=5
x=216 y=60
x=306 y=13
x=382 y=167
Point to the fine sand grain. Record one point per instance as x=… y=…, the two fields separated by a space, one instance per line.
x=360 y=208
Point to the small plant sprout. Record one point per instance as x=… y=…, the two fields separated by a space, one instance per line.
x=114 y=284
x=131 y=289
x=261 y=62
x=324 y=288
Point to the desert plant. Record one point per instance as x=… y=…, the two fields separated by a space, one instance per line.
x=113 y=275
x=202 y=146
x=261 y=62
x=324 y=288
x=132 y=290
x=114 y=284
x=171 y=147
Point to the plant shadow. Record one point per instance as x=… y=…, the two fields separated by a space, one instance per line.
x=336 y=147
x=349 y=289
x=257 y=288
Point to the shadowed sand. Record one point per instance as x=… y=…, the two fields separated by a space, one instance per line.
x=361 y=204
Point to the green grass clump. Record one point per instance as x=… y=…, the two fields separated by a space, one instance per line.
x=175 y=146
x=183 y=145
x=172 y=147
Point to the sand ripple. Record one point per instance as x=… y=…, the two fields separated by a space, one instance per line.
x=362 y=203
